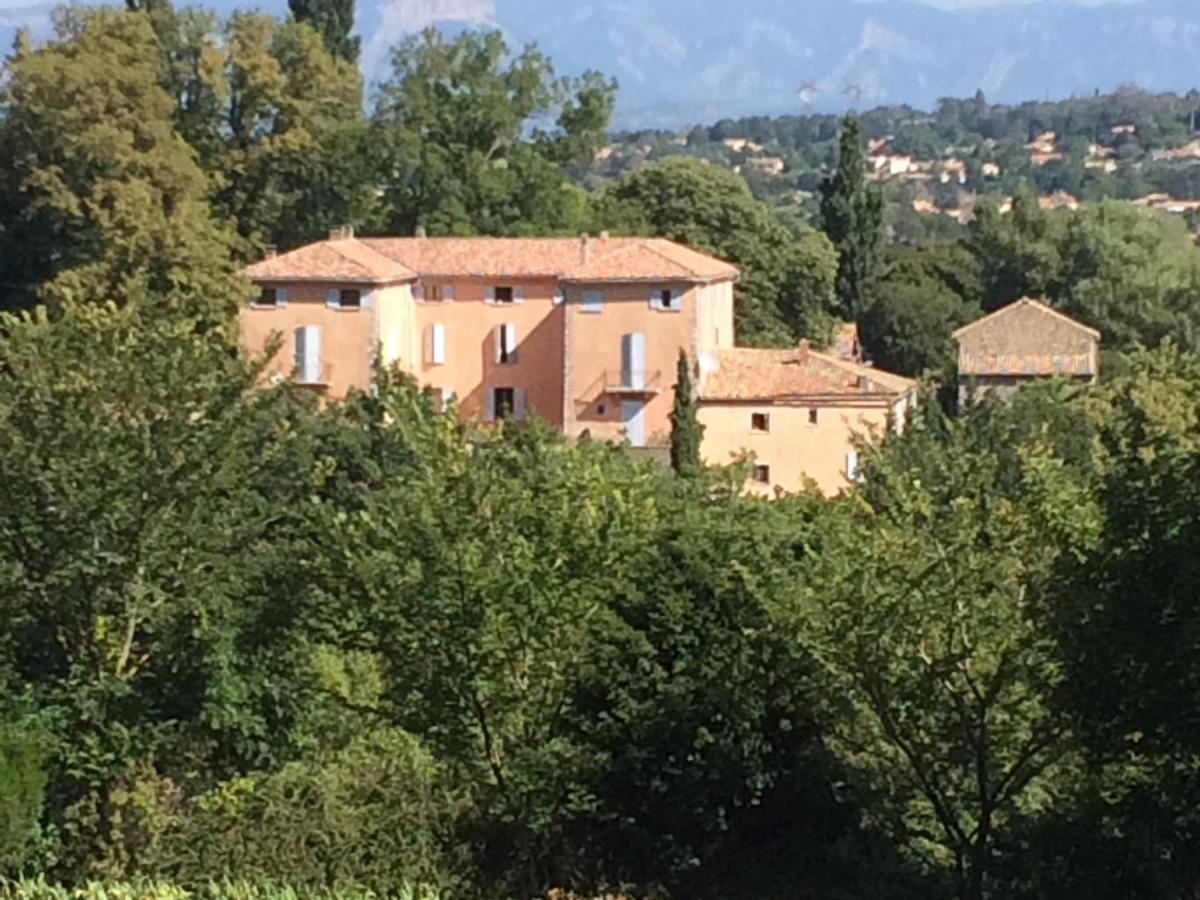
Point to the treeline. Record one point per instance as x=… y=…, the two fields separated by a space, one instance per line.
x=371 y=647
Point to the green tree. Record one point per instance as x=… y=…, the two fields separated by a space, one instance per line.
x=784 y=286
x=686 y=430
x=109 y=201
x=144 y=484
x=1019 y=252
x=928 y=609
x=334 y=21
x=852 y=216
x=465 y=150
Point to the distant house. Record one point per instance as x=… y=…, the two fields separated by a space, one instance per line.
x=1025 y=341
x=797 y=412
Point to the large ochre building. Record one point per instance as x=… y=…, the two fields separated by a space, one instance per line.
x=585 y=332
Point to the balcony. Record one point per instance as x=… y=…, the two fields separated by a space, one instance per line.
x=318 y=376
x=632 y=383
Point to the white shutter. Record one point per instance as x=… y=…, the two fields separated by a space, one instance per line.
x=676 y=300
x=312 y=354
x=281 y=297
x=437 y=344
x=448 y=293
x=633 y=360
x=489 y=295
x=518 y=295
x=559 y=297
x=497 y=342
x=656 y=299
x=333 y=299
x=593 y=301
x=510 y=341
x=519 y=404
x=852 y=465
x=489 y=405
x=368 y=300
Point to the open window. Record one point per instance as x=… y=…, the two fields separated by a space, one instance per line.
x=760 y=423
x=762 y=474
x=505 y=338
x=350 y=298
x=666 y=300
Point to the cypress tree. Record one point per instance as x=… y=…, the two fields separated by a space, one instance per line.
x=852 y=214
x=333 y=20
x=686 y=430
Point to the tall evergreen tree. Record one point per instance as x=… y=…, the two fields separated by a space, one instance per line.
x=333 y=20
x=852 y=214
x=686 y=430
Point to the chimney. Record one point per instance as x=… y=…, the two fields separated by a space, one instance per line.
x=270 y=251
x=585 y=249
x=420 y=231
x=341 y=233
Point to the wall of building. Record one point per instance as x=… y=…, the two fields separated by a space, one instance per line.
x=714 y=317
x=349 y=337
x=593 y=352
x=398 y=333
x=470 y=369
x=794 y=447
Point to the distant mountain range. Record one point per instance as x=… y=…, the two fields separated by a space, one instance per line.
x=681 y=62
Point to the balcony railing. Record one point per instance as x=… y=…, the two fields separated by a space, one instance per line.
x=632 y=382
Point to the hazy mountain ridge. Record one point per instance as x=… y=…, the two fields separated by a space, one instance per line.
x=685 y=61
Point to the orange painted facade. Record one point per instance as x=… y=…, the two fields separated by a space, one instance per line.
x=585 y=334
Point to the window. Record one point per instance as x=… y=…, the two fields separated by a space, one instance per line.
x=760 y=422
x=504 y=295
x=435 y=344
x=593 y=301
x=437 y=293
x=812 y=417
x=633 y=361
x=308 y=354
x=852 y=465
x=348 y=298
x=666 y=300
x=503 y=401
x=762 y=474
x=268 y=297
x=506 y=344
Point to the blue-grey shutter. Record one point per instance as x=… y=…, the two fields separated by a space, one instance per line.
x=518 y=295
x=333 y=299
x=448 y=293
x=519 y=404
x=299 y=351
x=656 y=299
x=489 y=405
x=676 y=299
x=489 y=295
x=368 y=300
x=281 y=297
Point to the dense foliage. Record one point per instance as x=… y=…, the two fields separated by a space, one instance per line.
x=254 y=646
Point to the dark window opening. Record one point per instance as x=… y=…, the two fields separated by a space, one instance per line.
x=812 y=417
x=668 y=300
x=600 y=408
x=268 y=297
x=504 y=295
x=350 y=299
x=762 y=474
x=504 y=400
x=433 y=293
x=760 y=422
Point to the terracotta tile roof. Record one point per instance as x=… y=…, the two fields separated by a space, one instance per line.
x=750 y=374
x=1027 y=338
x=346 y=260
x=607 y=259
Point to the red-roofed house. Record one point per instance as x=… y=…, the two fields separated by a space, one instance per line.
x=586 y=332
